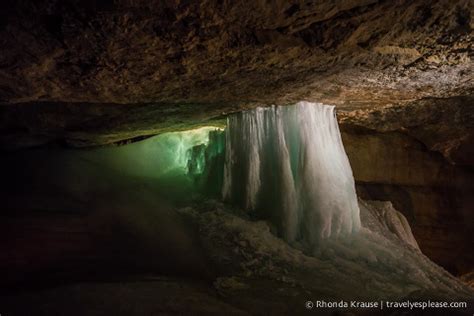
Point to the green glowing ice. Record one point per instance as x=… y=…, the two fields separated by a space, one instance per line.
x=157 y=156
x=174 y=165
x=177 y=163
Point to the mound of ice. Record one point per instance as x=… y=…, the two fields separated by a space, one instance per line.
x=377 y=263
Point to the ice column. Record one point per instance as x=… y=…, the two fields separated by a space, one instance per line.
x=288 y=164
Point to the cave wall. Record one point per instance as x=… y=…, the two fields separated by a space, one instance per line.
x=435 y=195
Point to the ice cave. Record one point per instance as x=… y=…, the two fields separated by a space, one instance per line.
x=237 y=157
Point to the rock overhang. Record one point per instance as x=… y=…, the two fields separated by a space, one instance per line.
x=95 y=73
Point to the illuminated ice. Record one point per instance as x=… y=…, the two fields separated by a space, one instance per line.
x=289 y=164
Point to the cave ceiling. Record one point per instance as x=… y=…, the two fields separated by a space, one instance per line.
x=97 y=72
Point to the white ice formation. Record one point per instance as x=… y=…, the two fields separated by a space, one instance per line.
x=288 y=164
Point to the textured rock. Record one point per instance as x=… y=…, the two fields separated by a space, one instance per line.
x=434 y=195
x=343 y=52
x=92 y=124
x=178 y=63
x=468 y=279
x=444 y=125
x=420 y=157
x=391 y=220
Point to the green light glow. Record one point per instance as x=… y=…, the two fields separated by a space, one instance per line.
x=155 y=157
x=173 y=165
x=176 y=164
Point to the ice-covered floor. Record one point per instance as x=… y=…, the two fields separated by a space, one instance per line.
x=381 y=262
x=258 y=273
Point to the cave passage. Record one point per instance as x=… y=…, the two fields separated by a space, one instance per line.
x=170 y=165
x=284 y=164
x=153 y=206
x=236 y=157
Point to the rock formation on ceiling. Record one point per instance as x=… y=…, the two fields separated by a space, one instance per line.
x=198 y=59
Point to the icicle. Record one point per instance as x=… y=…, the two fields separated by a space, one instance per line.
x=289 y=165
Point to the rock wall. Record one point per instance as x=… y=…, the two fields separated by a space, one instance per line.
x=433 y=193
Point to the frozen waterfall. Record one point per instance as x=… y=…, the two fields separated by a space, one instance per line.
x=288 y=164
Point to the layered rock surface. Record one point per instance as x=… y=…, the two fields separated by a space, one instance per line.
x=239 y=51
x=419 y=157
x=200 y=59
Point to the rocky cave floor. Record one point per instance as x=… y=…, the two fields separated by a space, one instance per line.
x=217 y=261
